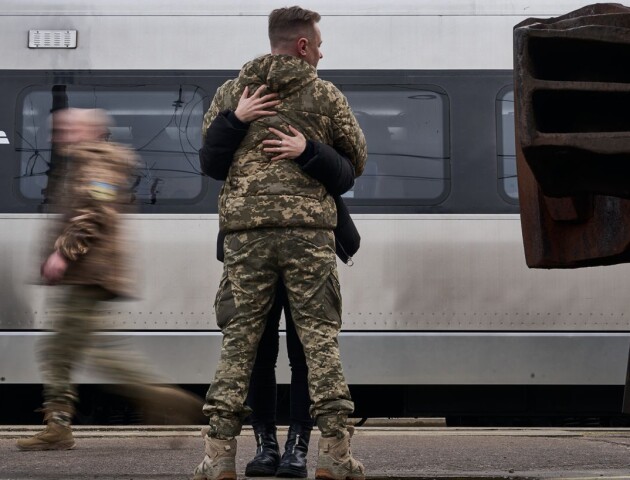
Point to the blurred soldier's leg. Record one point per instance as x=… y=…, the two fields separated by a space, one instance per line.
x=310 y=276
x=112 y=357
x=243 y=301
x=73 y=323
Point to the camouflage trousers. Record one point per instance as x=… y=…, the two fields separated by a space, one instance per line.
x=254 y=260
x=76 y=315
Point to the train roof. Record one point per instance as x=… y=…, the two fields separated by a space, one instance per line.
x=261 y=8
x=223 y=35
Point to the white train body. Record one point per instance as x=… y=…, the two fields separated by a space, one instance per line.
x=439 y=293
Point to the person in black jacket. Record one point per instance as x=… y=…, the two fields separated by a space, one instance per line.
x=336 y=173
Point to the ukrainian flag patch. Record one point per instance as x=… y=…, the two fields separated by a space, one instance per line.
x=102 y=191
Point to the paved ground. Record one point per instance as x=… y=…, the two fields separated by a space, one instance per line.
x=162 y=453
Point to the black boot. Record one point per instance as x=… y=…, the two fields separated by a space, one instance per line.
x=293 y=462
x=265 y=463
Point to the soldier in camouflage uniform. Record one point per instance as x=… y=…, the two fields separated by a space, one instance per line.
x=279 y=223
x=88 y=261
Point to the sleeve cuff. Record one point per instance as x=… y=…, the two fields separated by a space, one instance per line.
x=307 y=154
x=235 y=122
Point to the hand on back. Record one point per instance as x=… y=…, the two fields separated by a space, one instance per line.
x=285 y=146
x=251 y=108
x=257 y=106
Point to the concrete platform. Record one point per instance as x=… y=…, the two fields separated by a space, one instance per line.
x=162 y=453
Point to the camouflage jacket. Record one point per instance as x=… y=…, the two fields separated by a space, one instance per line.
x=89 y=234
x=262 y=193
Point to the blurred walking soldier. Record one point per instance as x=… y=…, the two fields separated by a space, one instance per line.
x=88 y=260
x=279 y=223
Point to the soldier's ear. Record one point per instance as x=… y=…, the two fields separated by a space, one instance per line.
x=302 y=45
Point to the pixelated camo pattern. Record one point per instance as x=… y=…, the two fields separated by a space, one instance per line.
x=262 y=193
x=305 y=258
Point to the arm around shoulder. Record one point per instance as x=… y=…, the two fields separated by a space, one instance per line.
x=223 y=136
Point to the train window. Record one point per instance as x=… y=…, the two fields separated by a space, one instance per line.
x=506 y=149
x=407 y=134
x=161 y=123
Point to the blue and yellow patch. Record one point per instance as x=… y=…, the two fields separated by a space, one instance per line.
x=104 y=192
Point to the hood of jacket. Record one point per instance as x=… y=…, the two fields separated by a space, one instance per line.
x=283 y=74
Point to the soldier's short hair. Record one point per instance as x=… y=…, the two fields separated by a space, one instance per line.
x=93 y=122
x=289 y=23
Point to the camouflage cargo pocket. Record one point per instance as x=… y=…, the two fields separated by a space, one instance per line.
x=333 y=292
x=224 y=307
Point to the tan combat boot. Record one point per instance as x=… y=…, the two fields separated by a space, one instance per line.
x=335 y=460
x=219 y=462
x=55 y=436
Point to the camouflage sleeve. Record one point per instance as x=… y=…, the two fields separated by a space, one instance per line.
x=97 y=188
x=348 y=136
x=218 y=104
x=82 y=229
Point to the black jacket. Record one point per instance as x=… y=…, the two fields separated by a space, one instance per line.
x=320 y=161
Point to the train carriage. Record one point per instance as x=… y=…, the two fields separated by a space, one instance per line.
x=441 y=314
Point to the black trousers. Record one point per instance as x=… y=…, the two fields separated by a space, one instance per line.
x=262 y=396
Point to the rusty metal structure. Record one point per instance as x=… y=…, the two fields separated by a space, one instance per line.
x=572 y=111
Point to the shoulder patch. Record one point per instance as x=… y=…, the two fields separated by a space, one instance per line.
x=105 y=192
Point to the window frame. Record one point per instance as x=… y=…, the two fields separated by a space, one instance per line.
x=419 y=87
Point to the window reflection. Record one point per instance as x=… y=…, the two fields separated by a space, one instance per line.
x=162 y=124
x=506 y=148
x=406 y=130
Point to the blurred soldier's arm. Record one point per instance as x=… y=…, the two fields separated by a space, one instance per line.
x=95 y=196
x=82 y=227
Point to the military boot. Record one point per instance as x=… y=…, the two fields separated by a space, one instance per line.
x=293 y=461
x=265 y=463
x=219 y=463
x=335 y=460
x=56 y=435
